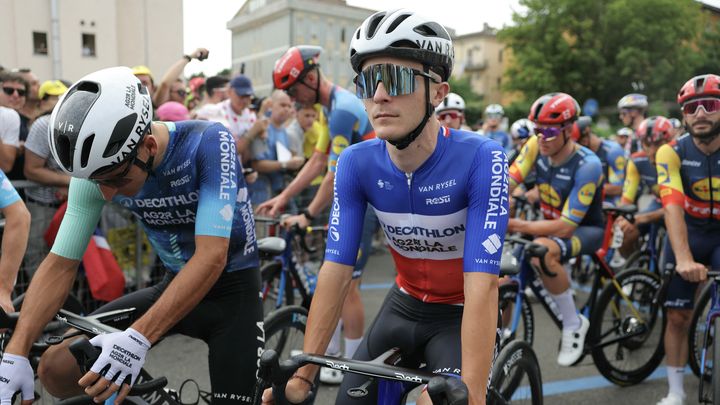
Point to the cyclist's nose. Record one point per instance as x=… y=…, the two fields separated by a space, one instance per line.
x=381 y=95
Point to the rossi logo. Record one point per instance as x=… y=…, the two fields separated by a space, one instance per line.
x=438 y=200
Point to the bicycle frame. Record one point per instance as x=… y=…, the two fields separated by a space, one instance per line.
x=713 y=313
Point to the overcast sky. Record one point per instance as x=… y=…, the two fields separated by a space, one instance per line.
x=205 y=21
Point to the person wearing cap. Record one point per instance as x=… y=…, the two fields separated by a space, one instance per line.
x=494 y=114
x=172 y=111
x=235 y=114
x=430 y=186
x=144 y=74
x=451 y=111
x=40 y=167
x=611 y=155
x=633 y=110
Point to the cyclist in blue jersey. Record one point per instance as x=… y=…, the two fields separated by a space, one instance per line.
x=612 y=158
x=569 y=180
x=494 y=114
x=183 y=182
x=451 y=111
x=441 y=197
x=298 y=73
x=14 y=239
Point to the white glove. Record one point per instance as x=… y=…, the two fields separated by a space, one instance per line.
x=123 y=355
x=16 y=375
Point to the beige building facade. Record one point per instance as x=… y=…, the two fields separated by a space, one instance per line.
x=67 y=39
x=262 y=30
x=481 y=57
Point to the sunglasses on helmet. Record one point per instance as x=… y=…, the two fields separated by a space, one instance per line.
x=710 y=105
x=398 y=80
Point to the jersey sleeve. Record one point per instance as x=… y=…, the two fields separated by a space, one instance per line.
x=631 y=184
x=667 y=162
x=487 y=214
x=616 y=165
x=347 y=213
x=341 y=127
x=218 y=170
x=588 y=179
x=525 y=162
x=8 y=194
x=85 y=203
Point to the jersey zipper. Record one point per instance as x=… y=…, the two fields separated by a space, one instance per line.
x=409 y=177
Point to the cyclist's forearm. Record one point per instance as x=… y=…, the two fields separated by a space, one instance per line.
x=187 y=289
x=332 y=287
x=313 y=168
x=45 y=296
x=649 y=217
x=546 y=227
x=478 y=338
x=14 y=243
x=677 y=232
x=613 y=190
x=323 y=196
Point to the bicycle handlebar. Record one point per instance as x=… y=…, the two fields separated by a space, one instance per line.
x=442 y=390
x=534 y=250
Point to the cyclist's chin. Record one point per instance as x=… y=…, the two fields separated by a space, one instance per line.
x=391 y=132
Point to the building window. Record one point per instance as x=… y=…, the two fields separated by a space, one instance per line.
x=40 y=43
x=88 y=45
x=342 y=36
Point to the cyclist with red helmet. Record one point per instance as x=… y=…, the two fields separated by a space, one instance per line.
x=652 y=133
x=569 y=180
x=689 y=176
x=298 y=73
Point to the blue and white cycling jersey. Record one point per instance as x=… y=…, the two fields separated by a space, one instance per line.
x=446 y=218
x=8 y=194
x=198 y=189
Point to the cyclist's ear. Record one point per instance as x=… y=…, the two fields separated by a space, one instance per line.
x=438 y=92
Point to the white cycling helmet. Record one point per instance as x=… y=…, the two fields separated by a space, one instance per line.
x=99 y=122
x=403 y=34
x=633 y=100
x=495 y=109
x=453 y=101
x=522 y=129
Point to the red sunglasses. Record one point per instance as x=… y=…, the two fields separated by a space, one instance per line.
x=451 y=114
x=710 y=105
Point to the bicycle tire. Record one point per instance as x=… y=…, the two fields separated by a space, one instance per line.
x=507 y=294
x=641 y=287
x=637 y=259
x=716 y=360
x=696 y=332
x=515 y=361
x=285 y=330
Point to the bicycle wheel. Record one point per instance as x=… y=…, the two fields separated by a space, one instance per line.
x=696 y=333
x=515 y=376
x=525 y=329
x=626 y=328
x=285 y=330
x=716 y=360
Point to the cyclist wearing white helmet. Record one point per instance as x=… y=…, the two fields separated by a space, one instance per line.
x=622 y=137
x=451 y=111
x=450 y=185
x=633 y=110
x=520 y=132
x=678 y=127
x=494 y=114
x=184 y=182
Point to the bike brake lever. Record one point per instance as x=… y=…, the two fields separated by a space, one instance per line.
x=57 y=339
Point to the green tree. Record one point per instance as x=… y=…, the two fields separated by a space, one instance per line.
x=599 y=49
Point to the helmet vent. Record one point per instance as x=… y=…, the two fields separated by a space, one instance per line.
x=86 y=148
x=142 y=89
x=122 y=131
x=404 y=44
x=539 y=108
x=64 y=151
x=373 y=26
x=90 y=87
x=699 y=82
x=426 y=30
x=397 y=22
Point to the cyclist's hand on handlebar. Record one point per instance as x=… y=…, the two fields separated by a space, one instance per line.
x=512 y=225
x=297 y=390
x=625 y=226
x=16 y=375
x=691 y=271
x=272 y=207
x=122 y=357
x=301 y=220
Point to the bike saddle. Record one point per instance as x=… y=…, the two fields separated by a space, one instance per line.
x=271 y=246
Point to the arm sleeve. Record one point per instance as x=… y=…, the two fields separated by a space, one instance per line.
x=9 y=127
x=616 y=163
x=218 y=170
x=342 y=124
x=667 y=162
x=347 y=213
x=85 y=203
x=587 y=181
x=37 y=140
x=8 y=194
x=631 y=184
x=487 y=214
x=525 y=162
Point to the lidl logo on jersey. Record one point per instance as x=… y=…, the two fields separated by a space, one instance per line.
x=339 y=143
x=492 y=244
x=586 y=194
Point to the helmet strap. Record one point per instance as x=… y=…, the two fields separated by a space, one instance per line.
x=429 y=111
x=317 y=87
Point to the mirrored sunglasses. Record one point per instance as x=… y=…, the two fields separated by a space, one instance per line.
x=398 y=80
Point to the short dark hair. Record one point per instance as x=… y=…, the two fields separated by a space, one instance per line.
x=6 y=76
x=215 y=82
